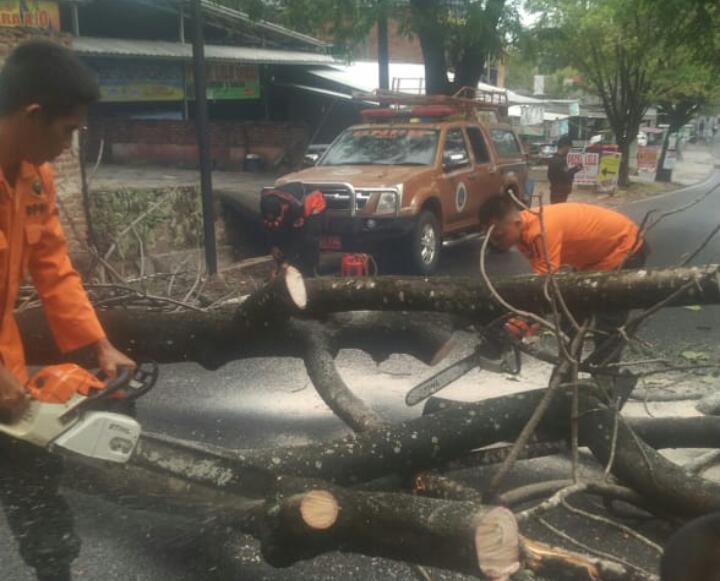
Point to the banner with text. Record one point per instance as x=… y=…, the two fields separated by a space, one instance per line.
x=30 y=13
x=588 y=175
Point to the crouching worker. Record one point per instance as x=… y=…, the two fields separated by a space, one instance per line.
x=293 y=221
x=44 y=95
x=578 y=237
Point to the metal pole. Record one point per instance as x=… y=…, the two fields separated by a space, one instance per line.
x=383 y=50
x=75 y=20
x=203 y=138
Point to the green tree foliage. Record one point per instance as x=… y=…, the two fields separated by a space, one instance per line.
x=631 y=54
x=457 y=36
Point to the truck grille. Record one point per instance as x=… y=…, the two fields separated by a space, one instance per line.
x=336 y=198
x=339 y=197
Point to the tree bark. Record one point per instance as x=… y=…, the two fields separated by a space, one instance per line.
x=662 y=482
x=210 y=338
x=214 y=338
x=459 y=536
x=319 y=360
x=408 y=447
x=426 y=18
x=470 y=298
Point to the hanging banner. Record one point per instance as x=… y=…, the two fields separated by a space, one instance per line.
x=589 y=174
x=30 y=13
x=608 y=172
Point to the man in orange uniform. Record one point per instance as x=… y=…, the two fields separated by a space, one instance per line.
x=44 y=95
x=579 y=237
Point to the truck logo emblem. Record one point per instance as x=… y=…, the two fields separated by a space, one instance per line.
x=460 y=197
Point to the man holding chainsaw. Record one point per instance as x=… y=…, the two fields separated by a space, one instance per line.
x=44 y=95
x=577 y=237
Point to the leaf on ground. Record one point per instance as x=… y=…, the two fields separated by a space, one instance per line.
x=693 y=308
x=695 y=356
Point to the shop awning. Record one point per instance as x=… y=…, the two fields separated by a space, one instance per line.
x=115 y=47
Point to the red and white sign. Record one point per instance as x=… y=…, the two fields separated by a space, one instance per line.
x=647 y=158
x=588 y=175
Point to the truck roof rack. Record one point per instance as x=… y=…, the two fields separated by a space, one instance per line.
x=468 y=101
x=467 y=97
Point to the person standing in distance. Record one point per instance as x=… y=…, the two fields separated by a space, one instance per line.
x=560 y=175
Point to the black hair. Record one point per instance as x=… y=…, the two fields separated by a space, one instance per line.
x=564 y=141
x=46 y=73
x=496 y=208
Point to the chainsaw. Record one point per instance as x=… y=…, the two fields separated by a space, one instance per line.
x=488 y=355
x=69 y=410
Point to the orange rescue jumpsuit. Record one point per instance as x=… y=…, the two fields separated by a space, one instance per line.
x=582 y=236
x=32 y=239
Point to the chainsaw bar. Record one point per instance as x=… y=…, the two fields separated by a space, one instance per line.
x=441 y=380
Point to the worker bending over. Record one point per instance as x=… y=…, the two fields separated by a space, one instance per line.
x=578 y=237
x=44 y=95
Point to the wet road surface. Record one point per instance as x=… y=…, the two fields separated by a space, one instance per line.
x=265 y=402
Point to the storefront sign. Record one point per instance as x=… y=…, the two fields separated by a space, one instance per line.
x=31 y=13
x=589 y=174
x=229 y=81
x=133 y=81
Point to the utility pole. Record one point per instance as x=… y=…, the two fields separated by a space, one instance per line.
x=383 y=49
x=203 y=138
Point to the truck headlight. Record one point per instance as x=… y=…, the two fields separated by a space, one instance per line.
x=387 y=203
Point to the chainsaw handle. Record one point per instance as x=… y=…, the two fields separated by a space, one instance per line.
x=133 y=382
x=122 y=378
x=143 y=380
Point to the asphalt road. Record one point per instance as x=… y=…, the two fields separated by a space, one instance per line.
x=268 y=402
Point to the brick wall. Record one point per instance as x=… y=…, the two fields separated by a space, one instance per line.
x=173 y=143
x=67 y=167
x=402 y=48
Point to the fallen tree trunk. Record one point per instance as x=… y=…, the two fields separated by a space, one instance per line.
x=458 y=536
x=659 y=433
x=216 y=337
x=210 y=338
x=319 y=357
x=470 y=298
x=410 y=447
x=662 y=482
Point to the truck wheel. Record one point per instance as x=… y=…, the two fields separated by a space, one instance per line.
x=425 y=244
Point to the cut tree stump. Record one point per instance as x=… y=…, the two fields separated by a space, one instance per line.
x=459 y=536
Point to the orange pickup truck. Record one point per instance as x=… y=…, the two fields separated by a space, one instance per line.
x=404 y=187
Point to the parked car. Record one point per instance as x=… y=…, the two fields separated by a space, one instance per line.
x=409 y=185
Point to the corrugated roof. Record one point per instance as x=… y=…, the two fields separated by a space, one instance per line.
x=115 y=47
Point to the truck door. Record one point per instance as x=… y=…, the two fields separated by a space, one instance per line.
x=485 y=180
x=457 y=168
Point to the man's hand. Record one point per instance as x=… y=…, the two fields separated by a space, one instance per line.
x=110 y=358
x=14 y=398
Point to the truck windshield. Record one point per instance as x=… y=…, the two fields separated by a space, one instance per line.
x=383 y=146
